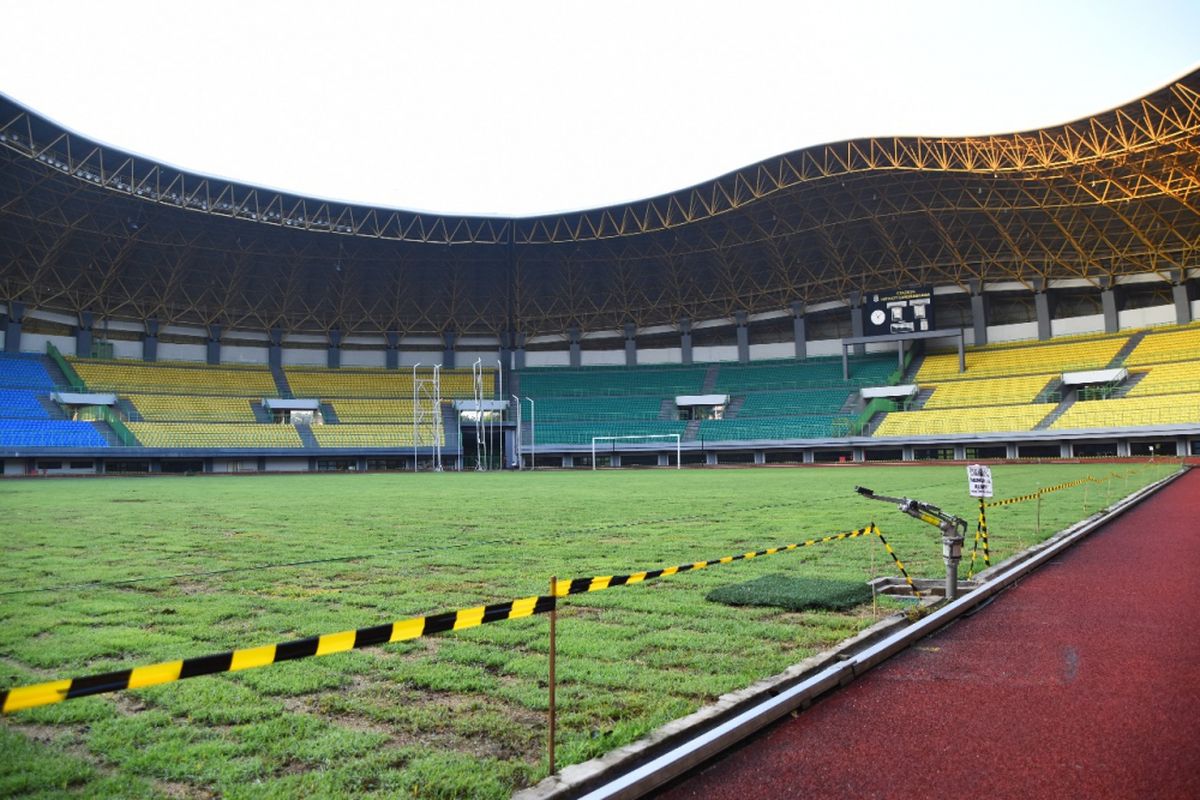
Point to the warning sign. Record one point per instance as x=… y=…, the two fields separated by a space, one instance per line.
x=979 y=480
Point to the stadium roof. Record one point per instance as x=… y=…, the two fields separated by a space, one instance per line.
x=84 y=226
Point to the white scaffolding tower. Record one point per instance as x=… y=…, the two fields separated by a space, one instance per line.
x=427 y=414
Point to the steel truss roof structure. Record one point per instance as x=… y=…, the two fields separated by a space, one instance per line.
x=87 y=227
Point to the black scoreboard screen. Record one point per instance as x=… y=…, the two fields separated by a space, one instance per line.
x=898 y=311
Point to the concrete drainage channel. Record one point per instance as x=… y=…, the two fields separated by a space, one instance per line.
x=670 y=751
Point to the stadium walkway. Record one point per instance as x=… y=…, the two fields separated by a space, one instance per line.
x=1081 y=681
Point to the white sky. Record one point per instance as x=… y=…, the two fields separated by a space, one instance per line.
x=520 y=108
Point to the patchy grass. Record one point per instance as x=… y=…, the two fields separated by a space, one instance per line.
x=111 y=573
x=793 y=593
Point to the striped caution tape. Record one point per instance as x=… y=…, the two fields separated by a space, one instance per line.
x=981 y=537
x=601 y=582
x=42 y=694
x=899 y=564
x=1035 y=495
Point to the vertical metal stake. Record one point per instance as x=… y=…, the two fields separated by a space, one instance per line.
x=553 y=625
x=1039 y=515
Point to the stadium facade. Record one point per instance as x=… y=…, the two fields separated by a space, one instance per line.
x=1087 y=228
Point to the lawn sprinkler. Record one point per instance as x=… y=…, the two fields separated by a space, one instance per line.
x=953 y=530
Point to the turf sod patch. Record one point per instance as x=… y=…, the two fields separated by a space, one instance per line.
x=794 y=594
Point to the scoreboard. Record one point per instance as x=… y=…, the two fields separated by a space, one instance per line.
x=898 y=311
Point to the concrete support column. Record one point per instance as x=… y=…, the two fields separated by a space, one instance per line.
x=214 y=344
x=685 y=341
x=799 y=330
x=576 y=351
x=1182 y=297
x=960 y=452
x=275 y=348
x=760 y=457
x=12 y=328
x=83 y=335
x=150 y=341
x=391 y=355
x=1041 y=304
x=448 y=339
x=856 y=321
x=630 y=344
x=743 y=336
x=333 y=356
x=906 y=453
x=518 y=350
x=710 y=458
x=1064 y=450
x=979 y=319
x=1108 y=303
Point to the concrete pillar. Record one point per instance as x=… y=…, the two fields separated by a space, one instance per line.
x=214 y=344
x=391 y=355
x=1181 y=296
x=630 y=344
x=12 y=328
x=979 y=319
x=856 y=321
x=1108 y=303
x=83 y=335
x=448 y=339
x=518 y=350
x=1041 y=304
x=760 y=457
x=685 y=341
x=333 y=356
x=1064 y=450
x=743 y=336
x=576 y=352
x=799 y=330
x=275 y=348
x=906 y=453
x=150 y=341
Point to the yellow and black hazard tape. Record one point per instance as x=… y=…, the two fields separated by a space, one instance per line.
x=601 y=582
x=1035 y=495
x=42 y=694
x=899 y=564
x=981 y=536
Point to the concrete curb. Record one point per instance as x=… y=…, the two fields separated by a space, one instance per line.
x=676 y=747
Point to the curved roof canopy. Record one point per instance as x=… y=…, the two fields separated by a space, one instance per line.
x=84 y=226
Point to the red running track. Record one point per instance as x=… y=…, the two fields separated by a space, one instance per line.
x=1082 y=681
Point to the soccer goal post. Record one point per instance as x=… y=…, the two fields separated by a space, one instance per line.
x=615 y=439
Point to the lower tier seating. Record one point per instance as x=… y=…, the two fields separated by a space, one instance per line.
x=351 y=436
x=582 y=432
x=49 y=433
x=200 y=434
x=986 y=419
x=1125 y=412
x=811 y=426
x=21 y=404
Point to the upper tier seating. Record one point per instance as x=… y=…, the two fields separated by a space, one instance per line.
x=987 y=391
x=1024 y=359
x=207 y=434
x=175 y=378
x=599 y=381
x=349 y=410
x=381 y=383
x=195 y=408
x=792 y=403
x=1125 y=412
x=21 y=404
x=983 y=419
x=1158 y=346
x=21 y=371
x=871 y=370
x=567 y=409
x=49 y=433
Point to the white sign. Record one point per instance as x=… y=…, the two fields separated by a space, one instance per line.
x=979 y=480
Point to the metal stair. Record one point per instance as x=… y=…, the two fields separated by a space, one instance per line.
x=53 y=409
x=691 y=431
x=328 y=414
x=667 y=409
x=735 y=406
x=281 y=381
x=127 y=410
x=710 y=379
x=108 y=433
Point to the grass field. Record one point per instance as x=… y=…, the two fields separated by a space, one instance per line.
x=102 y=574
